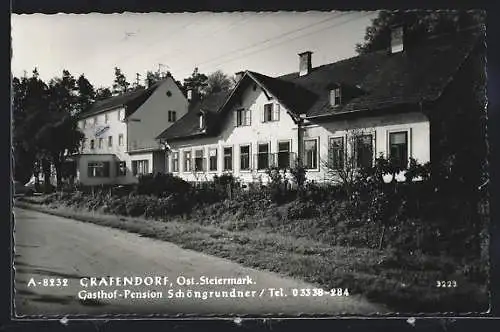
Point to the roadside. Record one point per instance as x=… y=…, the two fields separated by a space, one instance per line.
x=53 y=247
x=374 y=274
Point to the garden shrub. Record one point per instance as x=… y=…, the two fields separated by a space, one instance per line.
x=161 y=184
x=302 y=210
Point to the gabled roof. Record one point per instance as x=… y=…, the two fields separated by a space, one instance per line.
x=132 y=100
x=188 y=125
x=371 y=81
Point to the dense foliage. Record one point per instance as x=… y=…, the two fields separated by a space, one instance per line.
x=418 y=24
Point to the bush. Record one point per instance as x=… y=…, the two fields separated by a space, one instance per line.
x=225 y=179
x=302 y=210
x=162 y=185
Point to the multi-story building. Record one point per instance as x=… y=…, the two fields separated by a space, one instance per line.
x=396 y=100
x=120 y=134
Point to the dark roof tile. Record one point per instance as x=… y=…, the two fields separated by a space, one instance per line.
x=188 y=125
x=370 y=81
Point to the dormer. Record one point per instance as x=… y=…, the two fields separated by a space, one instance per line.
x=202 y=120
x=397 y=38
x=336 y=95
x=341 y=93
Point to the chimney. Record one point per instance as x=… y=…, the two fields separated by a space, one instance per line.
x=305 y=64
x=239 y=75
x=192 y=95
x=397 y=38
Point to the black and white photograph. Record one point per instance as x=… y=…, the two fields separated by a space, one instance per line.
x=250 y=164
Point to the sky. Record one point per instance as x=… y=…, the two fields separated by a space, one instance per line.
x=265 y=42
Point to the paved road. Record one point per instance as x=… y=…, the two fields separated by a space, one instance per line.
x=55 y=247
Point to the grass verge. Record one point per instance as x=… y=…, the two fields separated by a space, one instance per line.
x=403 y=284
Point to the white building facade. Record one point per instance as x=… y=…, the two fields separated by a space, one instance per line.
x=119 y=143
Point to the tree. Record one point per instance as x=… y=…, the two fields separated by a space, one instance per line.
x=103 y=93
x=57 y=138
x=120 y=84
x=152 y=77
x=86 y=94
x=218 y=81
x=28 y=103
x=418 y=24
x=63 y=94
x=196 y=81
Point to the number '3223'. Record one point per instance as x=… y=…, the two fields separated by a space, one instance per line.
x=446 y=283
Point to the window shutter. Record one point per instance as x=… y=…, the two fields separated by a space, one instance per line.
x=263 y=114
x=235 y=115
x=249 y=116
x=276 y=110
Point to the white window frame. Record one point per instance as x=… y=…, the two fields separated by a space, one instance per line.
x=216 y=159
x=274 y=112
x=110 y=141
x=174 y=155
x=184 y=159
x=333 y=94
x=249 y=157
x=408 y=136
x=120 y=139
x=202 y=160
x=344 y=146
x=246 y=117
x=140 y=167
x=289 y=141
x=374 y=146
x=224 y=158
x=317 y=153
x=269 y=156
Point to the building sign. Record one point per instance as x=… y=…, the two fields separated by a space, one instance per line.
x=101 y=130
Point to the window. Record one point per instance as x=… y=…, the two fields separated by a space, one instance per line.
x=263 y=156
x=336 y=152
x=97 y=169
x=284 y=154
x=228 y=159
x=311 y=154
x=245 y=157
x=120 y=139
x=398 y=148
x=271 y=112
x=84 y=124
x=172 y=116
x=110 y=141
x=335 y=97
x=121 y=168
x=202 y=121
x=212 y=159
x=175 y=161
x=121 y=115
x=187 y=161
x=96 y=120
x=106 y=118
x=364 y=151
x=198 y=161
x=92 y=144
x=243 y=117
x=140 y=167
x=101 y=140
